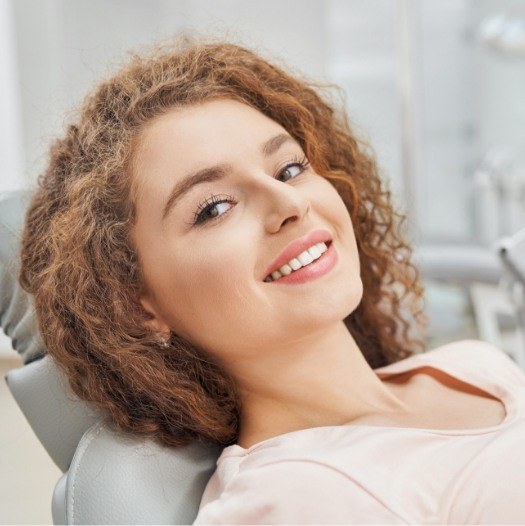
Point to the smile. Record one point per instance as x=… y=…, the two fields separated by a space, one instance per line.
x=310 y=264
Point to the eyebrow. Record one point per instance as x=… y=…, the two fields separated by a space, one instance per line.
x=219 y=171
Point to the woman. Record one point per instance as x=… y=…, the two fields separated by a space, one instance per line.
x=213 y=257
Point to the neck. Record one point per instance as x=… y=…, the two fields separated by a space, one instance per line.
x=324 y=381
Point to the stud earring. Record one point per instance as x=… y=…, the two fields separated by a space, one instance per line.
x=164 y=344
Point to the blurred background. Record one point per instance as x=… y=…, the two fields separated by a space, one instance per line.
x=435 y=87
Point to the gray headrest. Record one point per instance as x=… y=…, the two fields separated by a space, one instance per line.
x=57 y=416
x=17 y=317
x=119 y=479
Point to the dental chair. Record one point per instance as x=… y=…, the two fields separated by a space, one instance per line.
x=108 y=477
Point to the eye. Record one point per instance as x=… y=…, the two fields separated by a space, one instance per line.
x=205 y=210
x=301 y=164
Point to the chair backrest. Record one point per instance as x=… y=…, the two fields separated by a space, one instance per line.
x=109 y=477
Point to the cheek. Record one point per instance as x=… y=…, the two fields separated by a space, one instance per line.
x=329 y=200
x=217 y=296
x=340 y=218
x=209 y=284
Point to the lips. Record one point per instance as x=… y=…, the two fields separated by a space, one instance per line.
x=296 y=247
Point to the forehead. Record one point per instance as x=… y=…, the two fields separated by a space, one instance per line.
x=189 y=137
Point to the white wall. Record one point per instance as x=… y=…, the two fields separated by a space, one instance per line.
x=361 y=58
x=11 y=149
x=448 y=92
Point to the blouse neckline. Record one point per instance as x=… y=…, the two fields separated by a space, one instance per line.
x=416 y=361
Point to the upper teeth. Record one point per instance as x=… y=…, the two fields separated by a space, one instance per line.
x=303 y=259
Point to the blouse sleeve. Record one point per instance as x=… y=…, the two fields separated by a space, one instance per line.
x=296 y=492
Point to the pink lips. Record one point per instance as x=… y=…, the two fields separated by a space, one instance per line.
x=296 y=247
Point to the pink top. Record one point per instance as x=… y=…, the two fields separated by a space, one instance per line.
x=365 y=474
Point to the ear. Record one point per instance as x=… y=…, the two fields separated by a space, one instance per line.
x=155 y=322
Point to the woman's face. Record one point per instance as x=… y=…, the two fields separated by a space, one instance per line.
x=204 y=260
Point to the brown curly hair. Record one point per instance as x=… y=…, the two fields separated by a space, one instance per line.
x=78 y=261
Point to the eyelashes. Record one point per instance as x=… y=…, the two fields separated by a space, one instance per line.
x=202 y=214
x=208 y=205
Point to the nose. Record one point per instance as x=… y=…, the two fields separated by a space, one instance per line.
x=282 y=204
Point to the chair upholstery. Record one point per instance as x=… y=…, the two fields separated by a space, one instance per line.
x=129 y=481
x=40 y=386
x=109 y=477
x=16 y=311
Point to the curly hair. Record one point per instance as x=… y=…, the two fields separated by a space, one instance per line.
x=79 y=262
